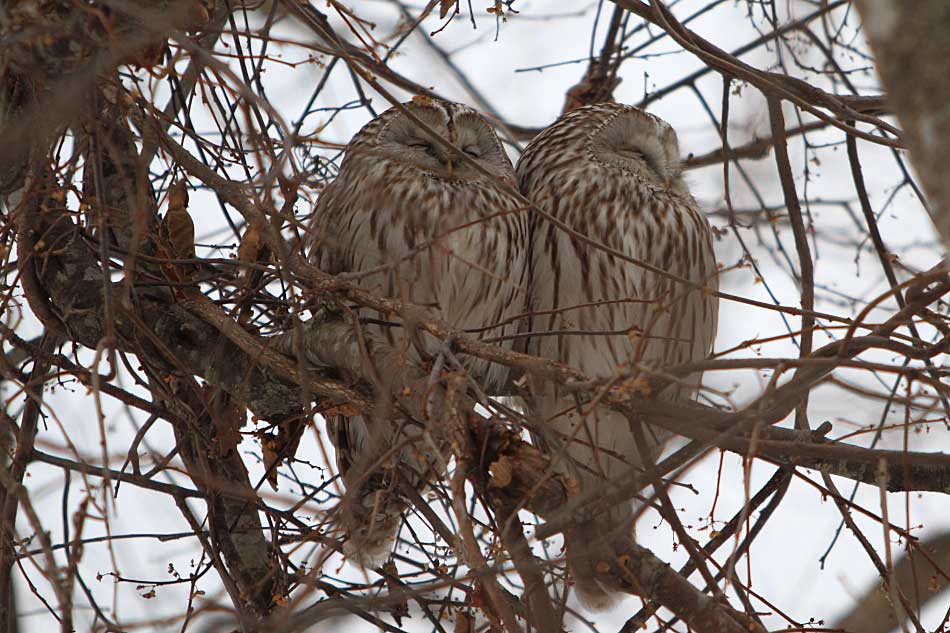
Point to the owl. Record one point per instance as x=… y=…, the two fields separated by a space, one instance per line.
x=418 y=222
x=612 y=173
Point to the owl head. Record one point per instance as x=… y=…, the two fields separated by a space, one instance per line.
x=635 y=141
x=619 y=137
x=401 y=141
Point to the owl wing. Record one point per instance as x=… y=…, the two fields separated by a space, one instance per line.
x=609 y=311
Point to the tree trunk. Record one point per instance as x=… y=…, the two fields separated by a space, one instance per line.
x=911 y=43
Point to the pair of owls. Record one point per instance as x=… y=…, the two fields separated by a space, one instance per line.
x=582 y=280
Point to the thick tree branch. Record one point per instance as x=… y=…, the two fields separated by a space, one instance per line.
x=9 y=500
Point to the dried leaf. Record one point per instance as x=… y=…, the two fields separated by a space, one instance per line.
x=271 y=453
x=481 y=600
x=641 y=386
x=199 y=12
x=280 y=447
x=147 y=56
x=250 y=246
x=422 y=100
x=464 y=622
x=444 y=7
x=934 y=585
x=178 y=227
x=400 y=608
x=178 y=195
x=288 y=187
x=228 y=422
x=288 y=437
x=346 y=409
x=500 y=472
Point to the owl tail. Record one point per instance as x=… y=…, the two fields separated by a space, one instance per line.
x=600 y=454
x=592 y=547
x=376 y=483
x=370 y=519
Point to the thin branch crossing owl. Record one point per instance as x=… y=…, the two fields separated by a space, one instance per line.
x=624 y=286
x=427 y=227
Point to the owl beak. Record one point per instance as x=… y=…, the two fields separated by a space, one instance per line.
x=667 y=183
x=453 y=165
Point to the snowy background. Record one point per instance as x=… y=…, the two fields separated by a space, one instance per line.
x=522 y=66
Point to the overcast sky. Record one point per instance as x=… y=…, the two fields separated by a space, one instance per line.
x=784 y=564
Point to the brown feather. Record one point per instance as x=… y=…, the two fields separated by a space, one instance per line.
x=611 y=173
x=439 y=234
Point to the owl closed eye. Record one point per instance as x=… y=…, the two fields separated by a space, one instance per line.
x=403 y=141
x=640 y=143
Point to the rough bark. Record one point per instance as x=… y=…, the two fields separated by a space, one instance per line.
x=911 y=43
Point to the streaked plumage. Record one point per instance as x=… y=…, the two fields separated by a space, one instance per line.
x=612 y=173
x=448 y=237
